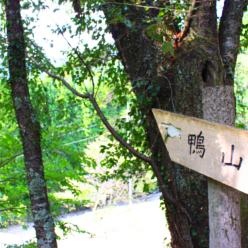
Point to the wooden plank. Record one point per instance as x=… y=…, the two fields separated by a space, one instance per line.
x=218 y=104
x=201 y=146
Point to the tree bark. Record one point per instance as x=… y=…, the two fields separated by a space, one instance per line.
x=244 y=220
x=197 y=64
x=29 y=128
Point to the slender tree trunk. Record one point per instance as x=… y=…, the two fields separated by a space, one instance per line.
x=197 y=64
x=29 y=128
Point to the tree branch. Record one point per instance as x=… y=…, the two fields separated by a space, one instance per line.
x=76 y=4
x=6 y=161
x=89 y=70
x=187 y=21
x=60 y=79
x=130 y=4
x=7 y=209
x=229 y=34
x=155 y=168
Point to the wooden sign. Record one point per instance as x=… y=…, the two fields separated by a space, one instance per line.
x=216 y=151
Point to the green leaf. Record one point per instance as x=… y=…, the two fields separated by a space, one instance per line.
x=165 y=47
x=170 y=46
x=152 y=27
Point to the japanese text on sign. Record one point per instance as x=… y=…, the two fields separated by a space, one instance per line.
x=196 y=144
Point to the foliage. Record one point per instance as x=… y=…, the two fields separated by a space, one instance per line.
x=67 y=122
x=68 y=228
x=241 y=83
x=67 y=125
x=27 y=244
x=241 y=90
x=244 y=34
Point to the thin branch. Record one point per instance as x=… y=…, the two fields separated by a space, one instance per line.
x=11 y=179
x=59 y=78
x=99 y=82
x=154 y=141
x=187 y=21
x=171 y=93
x=7 y=209
x=50 y=111
x=89 y=70
x=130 y=4
x=80 y=57
x=76 y=51
x=6 y=161
x=180 y=237
x=74 y=142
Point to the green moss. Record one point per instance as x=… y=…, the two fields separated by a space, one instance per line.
x=34 y=120
x=49 y=227
x=41 y=215
x=37 y=187
x=234 y=221
x=18 y=102
x=27 y=100
x=226 y=234
x=42 y=243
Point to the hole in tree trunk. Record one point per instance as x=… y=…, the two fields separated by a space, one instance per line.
x=207 y=74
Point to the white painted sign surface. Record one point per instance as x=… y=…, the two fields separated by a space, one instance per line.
x=216 y=151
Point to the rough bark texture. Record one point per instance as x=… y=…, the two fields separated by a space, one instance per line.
x=224 y=201
x=197 y=64
x=29 y=128
x=229 y=32
x=244 y=220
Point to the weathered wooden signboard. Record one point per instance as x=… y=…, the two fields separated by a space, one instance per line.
x=214 y=150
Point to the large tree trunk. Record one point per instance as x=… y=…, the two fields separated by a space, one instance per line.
x=29 y=128
x=197 y=64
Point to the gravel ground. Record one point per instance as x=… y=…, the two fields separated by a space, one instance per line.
x=139 y=225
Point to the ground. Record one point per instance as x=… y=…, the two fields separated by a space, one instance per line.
x=140 y=225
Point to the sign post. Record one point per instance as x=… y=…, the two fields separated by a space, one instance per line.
x=216 y=151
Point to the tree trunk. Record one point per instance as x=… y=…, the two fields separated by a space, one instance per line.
x=197 y=64
x=29 y=128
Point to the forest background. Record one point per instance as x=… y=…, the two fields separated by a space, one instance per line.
x=72 y=134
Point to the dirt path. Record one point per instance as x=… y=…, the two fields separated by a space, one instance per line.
x=140 y=225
